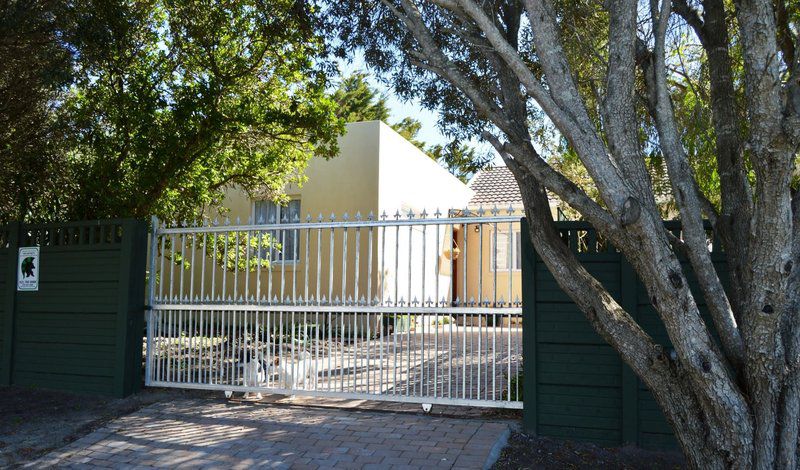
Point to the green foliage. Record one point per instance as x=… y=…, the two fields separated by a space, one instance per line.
x=36 y=67
x=173 y=101
x=461 y=160
x=583 y=28
x=357 y=101
x=409 y=128
x=233 y=251
x=515 y=388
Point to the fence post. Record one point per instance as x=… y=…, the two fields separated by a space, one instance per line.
x=130 y=308
x=10 y=303
x=630 y=382
x=530 y=419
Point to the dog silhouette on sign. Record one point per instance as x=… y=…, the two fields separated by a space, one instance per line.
x=27 y=267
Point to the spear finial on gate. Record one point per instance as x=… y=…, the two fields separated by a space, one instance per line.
x=438 y=213
x=517 y=302
x=397 y=214
x=345 y=216
x=371 y=216
x=423 y=214
x=510 y=209
x=472 y=301
x=481 y=211
x=358 y=215
x=457 y=301
x=495 y=210
x=333 y=216
x=376 y=300
x=384 y=216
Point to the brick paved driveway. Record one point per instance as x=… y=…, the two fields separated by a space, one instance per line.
x=202 y=433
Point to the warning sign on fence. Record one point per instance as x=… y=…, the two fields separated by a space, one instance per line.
x=28 y=269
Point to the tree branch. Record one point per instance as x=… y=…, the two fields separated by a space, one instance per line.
x=684 y=187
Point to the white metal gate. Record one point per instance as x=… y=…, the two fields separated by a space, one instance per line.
x=409 y=308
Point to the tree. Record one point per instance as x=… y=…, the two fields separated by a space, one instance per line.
x=358 y=101
x=500 y=69
x=171 y=102
x=461 y=160
x=36 y=67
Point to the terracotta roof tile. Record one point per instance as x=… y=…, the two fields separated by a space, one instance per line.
x=495 y=186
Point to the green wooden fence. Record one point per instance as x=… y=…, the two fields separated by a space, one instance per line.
x=82 y=329
x=576 y=386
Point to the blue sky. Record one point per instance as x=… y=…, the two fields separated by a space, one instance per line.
x=399 y=109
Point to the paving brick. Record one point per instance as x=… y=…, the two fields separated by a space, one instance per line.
x=194 y=433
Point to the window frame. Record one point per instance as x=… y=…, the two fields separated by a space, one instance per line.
x=278 y=213
x=514 y=254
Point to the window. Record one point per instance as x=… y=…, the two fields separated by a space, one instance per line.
x=285 y=241
x=508 y=249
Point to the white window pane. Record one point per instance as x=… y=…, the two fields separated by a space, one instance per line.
x=284 y=242
x=265 y=212
x=501 y=251
x=517 y=250
x=293 y=210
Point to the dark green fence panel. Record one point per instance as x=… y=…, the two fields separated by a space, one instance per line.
x=82 y=330
x=576 y=386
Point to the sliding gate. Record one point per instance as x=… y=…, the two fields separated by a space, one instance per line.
x=411 y=308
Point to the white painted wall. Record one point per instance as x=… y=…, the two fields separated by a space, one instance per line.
x=410 y=180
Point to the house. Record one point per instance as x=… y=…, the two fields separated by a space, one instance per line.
x=377 y=172
x=493 y=271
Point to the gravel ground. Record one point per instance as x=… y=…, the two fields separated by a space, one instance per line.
x=527 y=452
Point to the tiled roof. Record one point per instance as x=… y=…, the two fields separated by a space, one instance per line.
x=495 y=186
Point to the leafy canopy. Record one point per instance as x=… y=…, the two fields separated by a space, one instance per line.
x=172 y=101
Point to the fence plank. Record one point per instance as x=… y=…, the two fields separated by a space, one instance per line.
x=580 y=392
x=530 y=417
x=9 y=302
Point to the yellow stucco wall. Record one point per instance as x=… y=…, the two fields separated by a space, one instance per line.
x=377 y=170
x=480 y=272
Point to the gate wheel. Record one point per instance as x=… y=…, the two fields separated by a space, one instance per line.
x=228 y=394
x=426 y=407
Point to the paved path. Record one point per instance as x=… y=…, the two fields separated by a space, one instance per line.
x=202 y=433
